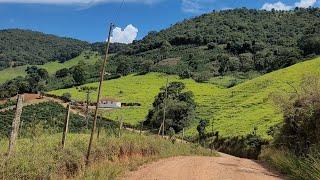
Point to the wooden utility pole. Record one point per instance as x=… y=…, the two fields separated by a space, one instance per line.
x=94 y=122
x=88 y=91
x=66 y=125
x=164 y=108
x=183 y=134
x=120 y=125
x=15 y=125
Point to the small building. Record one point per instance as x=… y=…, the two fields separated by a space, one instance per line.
x=109 y=103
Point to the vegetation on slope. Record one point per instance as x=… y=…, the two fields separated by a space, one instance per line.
x=21 y=47
x=49 y=115
x=41 y=156
x=223 y=42
x=295 y=147
x=233 y=112
x=51 y=67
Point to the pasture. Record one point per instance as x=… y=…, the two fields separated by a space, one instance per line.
x=51 y=67
x=233 y=112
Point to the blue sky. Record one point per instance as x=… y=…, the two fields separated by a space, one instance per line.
x=88 y=19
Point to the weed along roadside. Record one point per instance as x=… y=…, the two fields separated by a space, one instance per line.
x=42 y=157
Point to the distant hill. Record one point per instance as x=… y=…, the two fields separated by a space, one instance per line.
x=20 y=47
x=230 y=41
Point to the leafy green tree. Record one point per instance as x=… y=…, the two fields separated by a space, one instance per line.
x=62 y=73
x=179 y=107
x=79 y=74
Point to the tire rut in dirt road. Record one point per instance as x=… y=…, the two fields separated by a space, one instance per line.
x=203 y=168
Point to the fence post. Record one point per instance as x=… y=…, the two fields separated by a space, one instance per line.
x=15 y=124
x=66 y=125
x=183 y=134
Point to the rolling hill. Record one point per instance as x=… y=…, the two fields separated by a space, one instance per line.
x=20 y=47
x=51 y=67
x=234 y=111
x=226 y=42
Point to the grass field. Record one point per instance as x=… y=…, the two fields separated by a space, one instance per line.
x=42 y=157
x=51 y=67
x=234 y=111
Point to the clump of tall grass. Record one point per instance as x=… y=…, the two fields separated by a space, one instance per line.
x=43 y=157
x=303 y=168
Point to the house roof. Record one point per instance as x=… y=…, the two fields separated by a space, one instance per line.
x=109 y=99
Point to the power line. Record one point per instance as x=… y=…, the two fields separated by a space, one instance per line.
x=117 y=11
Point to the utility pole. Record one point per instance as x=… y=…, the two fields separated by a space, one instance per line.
x=88 y=91
x=183 y=134
x=164 y=108
x=15 y=125
x=120 y=126
x=94 y=122
x=66 y=125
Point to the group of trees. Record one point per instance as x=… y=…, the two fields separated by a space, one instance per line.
x=173 y=104
x=35 y=80
x=38 y=79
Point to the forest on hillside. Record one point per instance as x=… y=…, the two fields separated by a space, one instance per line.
x=224 y=42
x=20 y=47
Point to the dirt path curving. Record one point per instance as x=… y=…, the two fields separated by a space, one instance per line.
x=203 y=168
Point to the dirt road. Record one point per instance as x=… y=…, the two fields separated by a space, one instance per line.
x=203 y=168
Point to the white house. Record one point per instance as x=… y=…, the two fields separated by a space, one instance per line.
x=109 y=103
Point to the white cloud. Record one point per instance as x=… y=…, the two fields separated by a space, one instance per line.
x=191 y=6
x=127 y=35
x=305 y=3
x=76 y=1
x=281 y=6
x=276 y=6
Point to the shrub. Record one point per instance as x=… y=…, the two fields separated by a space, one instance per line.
x=301 y=126
x=66 y=97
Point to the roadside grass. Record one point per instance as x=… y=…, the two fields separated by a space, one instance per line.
x=51 y=67
x=304 y=168
x=43 y=158
x=234 y=111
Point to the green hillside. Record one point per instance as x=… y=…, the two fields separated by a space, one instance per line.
x=20 y=47
x=51 y=67
x=226 y=42
x=234 y=111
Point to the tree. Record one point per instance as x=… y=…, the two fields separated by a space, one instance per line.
x=201 y=128
x=310 y=44
x=180 y=108
x=62 y=73
x=79 y=74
